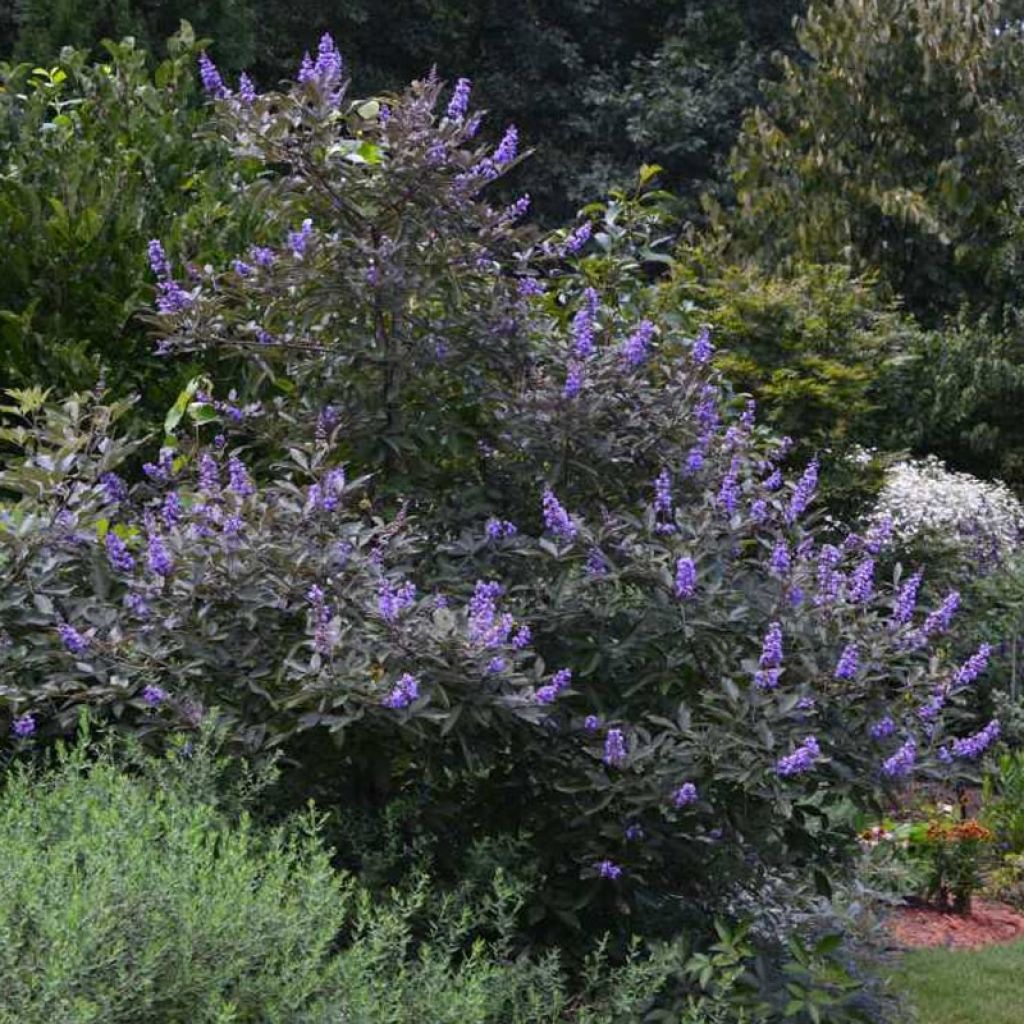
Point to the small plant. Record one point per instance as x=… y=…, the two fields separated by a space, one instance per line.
x=1003 y=801
x=952 y=852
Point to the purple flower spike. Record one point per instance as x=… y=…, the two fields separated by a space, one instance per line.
x=848 y=663
x=801 y=760
x=210 y=76
x=556 y=519
x=609 y=869
x=72 y=639
x=901 y=764
x=405 y=691
x=458 y=105
x=24 y=726
x=614 y=748
x=154 y=695
x=686 y=579
x=685 y=795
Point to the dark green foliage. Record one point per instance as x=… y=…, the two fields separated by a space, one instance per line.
x=891 y=144
x=95 y=159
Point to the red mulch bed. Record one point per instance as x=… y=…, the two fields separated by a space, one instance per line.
x=988 y=923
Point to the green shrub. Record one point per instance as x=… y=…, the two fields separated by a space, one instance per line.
x=134 y=894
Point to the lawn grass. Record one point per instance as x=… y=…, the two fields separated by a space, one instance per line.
x=984 y=986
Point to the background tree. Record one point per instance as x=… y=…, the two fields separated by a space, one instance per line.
x=889 y=144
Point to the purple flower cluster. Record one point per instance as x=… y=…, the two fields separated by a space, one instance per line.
x=829 y=578
x=635 y=348
x=901 y=764
x=153 y=695
x=403 y=693
x=906 y=600
x=614 y=747
x=458 y=105
x=118 y=554
x=846 y=668
x=801 y=760
x=72 y=639
x=246 y=89
x=729 y=492
x=686 y=578
x=556 y=519
x=213 y=84
x=974 y=746
x=973 y=666
x=938 y=621
x=609 y=869
x=321 y=620
x=663 y=492
x=24 y=726
x=686 y=794
x=158 y=558
x=326 y=71
x=803 y=493
x=170 y=510
x=392 y=601
x=239 y=480
x=591 y=723
x=702 y=350
x=862 y=582
x=780 y=561
x=209 y=474
x=882 y=728
x=879 y=535
x=771 y=647
x=560 y=681
x=508 y=147
x=299 y=240
x=500 y=529
x=577 y=239
x=486 y=627
x=583 y=332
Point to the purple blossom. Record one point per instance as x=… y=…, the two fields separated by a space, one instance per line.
x=694 y=461
x=829 y=580
x=210 y=76
x=663 y=492
x=803 y=492
x=321 y=620
x=938 y=621
x=780 y=561
x=614 y=747
x=633 y=833
x=759 y=510
x=497 y=665
x=767 y=678
x=577 y=239
x=882 y=728
x=170 y=510
x=516 y=210
x=158 y=261
x=171 y=298
x=773 y=482
x=729 y=492
x=118 y=554
x=24 y=726
x=901 y=764
x=72 y=639
x=299 y=240
x=238 y=477
x=392 y=601
x=458 y=105
x=702 y=349
x=546 y=694
x=508 y=147
x=114 y=489
x=609 y=869
x=562 y=679
x=556 y=519
x=771 y=647
x=879 y=535
x=241 y=268
x=583 y=333
x=591 y=723
x=906 y=600
x=527 y=286
x=801 y=760
x=521 y=638
x=209 y=473
x=635 y=347
x=707 y=409
x=262 y=256
x=930 y=711
x=686 y=578
x=405 y=691
x=686 y=794
x=329 y=65
x=500 y=529
x=862 y=582
x=573 y=379
x=158 y=558
x=973 y=667
x=153 y=695
x=974 y=746
x=846 y=668
x=596 y=565
x=246 y=89
x=137 y=605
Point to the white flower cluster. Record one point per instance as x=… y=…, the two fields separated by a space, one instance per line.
x=978 y=519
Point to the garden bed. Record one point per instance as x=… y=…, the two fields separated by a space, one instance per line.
x=917 y=927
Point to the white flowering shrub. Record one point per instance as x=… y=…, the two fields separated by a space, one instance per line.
x=977 y=522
